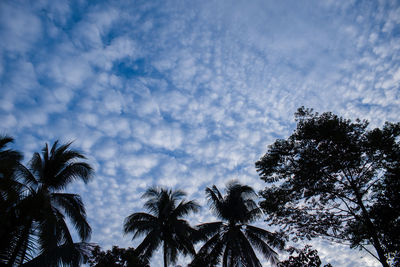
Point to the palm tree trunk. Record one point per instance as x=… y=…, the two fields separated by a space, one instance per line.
x=165 y=254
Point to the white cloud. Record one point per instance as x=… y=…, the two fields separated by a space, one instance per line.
x=138 y=165
x=20 y=27
x=9 y=121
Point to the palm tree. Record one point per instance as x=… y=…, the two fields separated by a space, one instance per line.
x=233 y=238
x=42 y=229
x=164 y=224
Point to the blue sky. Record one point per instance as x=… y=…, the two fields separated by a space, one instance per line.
x=188 y=94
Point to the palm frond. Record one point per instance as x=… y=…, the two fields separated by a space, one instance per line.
x=206 y=230
x=18 y=245
x=5 y=140
x=246 y=252
x=171 y=246
x=36 y=166
x=184 y=208
x=25 y=175
x=262 y=246
x=184 y=237
x=152 y=192
x=274 y=239
x=73 y=207
x=253 y=214
x=212 y=250
x=149 y=244
x=216 y=201
x=8 y=157
x=176 y=194
x=68 y=155
x=52 y=229
x=74 y=254
x=140 y=223
x=72 y=171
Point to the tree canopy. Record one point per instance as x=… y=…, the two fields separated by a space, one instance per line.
x=116 y=257
x=305 y=257
x=337 y=179
x=34 y=209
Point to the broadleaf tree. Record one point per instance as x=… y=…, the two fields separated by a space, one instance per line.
x=116 y=257
x=305 y=257
x=336 y=178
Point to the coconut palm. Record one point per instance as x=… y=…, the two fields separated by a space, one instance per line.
x=43 y=208
x=164 y=224
x=232 y=239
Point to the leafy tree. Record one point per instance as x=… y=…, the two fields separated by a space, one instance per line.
x=232 y=239
x=40 y=228
x=115 y=257
x=306 y=257
x=164 y=224
x=334 y=178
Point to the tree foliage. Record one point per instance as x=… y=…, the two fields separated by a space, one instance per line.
x=164 y=224
x=10 y=194
x=35 y=208
x=306 y=257
x=337 y=179
x=232 y=240
x=115 y=257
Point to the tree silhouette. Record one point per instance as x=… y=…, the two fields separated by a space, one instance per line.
x=115 y=257
x=41 y=229
x=306 y=257
x=232 y=239
x=336 y=179
x=10 y=194
x=164 y=224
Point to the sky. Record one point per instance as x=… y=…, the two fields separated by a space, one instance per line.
x=188 y=94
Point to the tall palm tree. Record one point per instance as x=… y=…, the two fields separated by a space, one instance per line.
x=232 y=239
x=164 y=224
x=42 y=228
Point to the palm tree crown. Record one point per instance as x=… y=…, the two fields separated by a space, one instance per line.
x=163 y=224
x=232 y=239
x=43 y=207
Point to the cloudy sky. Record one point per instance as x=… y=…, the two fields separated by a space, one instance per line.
x=187 y=94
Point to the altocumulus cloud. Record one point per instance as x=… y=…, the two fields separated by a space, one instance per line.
x=186 y=94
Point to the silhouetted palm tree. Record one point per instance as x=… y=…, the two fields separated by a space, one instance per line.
x=164 y=224
x=42 y=229
x=232 y=239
